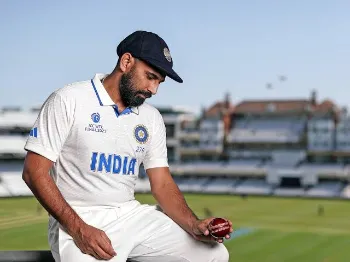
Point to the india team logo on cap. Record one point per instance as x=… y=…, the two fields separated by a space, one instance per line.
x=167 y=54
x=141 y=134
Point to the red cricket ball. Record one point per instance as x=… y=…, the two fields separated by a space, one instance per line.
x=219 y=228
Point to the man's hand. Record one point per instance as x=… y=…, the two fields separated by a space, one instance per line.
x=94 y=242
x=201 y=231
x=89 y=240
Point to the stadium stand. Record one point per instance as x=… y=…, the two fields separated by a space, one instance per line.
x=198 y=167
x=14 y=184
x=326 y=189
x=324 y=168
x=11 y=165
x=19 y=120
x=267 y=130
x=286 y=158
x=12 y=146
x=243 y=163
x=253 y=187
x=290 y=192
x=192 y=184
x=223 y=185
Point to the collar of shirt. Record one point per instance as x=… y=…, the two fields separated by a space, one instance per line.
x=103 y=97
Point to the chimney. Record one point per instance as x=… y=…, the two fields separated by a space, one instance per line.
x=313 y=98
x=227 y=100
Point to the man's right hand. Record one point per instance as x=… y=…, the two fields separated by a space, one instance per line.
x=94 y=242
x=89 y=240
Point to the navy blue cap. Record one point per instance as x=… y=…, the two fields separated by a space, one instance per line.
x=150 y=48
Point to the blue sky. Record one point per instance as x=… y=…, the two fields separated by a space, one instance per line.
x=217 y=46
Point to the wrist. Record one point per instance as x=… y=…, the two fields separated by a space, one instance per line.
x=75 y=226
x=194 y=225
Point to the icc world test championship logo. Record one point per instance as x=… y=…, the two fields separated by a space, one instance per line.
x=95 y=117
x=96 y=126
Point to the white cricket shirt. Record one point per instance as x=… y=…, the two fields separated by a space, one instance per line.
x=97 y=151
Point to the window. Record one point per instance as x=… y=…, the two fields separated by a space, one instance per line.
x=171 y=154
x=170 y=130
x=270 y=107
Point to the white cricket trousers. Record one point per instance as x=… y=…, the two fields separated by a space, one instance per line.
x=138 y=233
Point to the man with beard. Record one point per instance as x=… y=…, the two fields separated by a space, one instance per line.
x=83 y=159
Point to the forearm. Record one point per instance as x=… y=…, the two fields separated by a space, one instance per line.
x=173 y=203
x=47 y=193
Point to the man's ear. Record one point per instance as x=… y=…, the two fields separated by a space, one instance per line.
x=126 y=62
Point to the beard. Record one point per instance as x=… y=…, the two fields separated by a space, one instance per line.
x=130 y=96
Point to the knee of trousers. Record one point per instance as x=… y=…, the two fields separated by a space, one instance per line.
x=219 y=254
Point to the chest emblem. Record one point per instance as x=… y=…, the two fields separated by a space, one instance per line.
x=141 y=134
x=96 y=126
x=95 y=117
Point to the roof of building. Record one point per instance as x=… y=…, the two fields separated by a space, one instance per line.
x=276 y=106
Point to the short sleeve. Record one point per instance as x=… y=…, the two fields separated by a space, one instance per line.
x=51 y=128
x=156 y=155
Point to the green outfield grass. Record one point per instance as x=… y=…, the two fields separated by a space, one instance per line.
x=279 y=230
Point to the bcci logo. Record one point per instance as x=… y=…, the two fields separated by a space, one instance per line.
x=167 y=54
x=141 y=134
x=95 y=117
